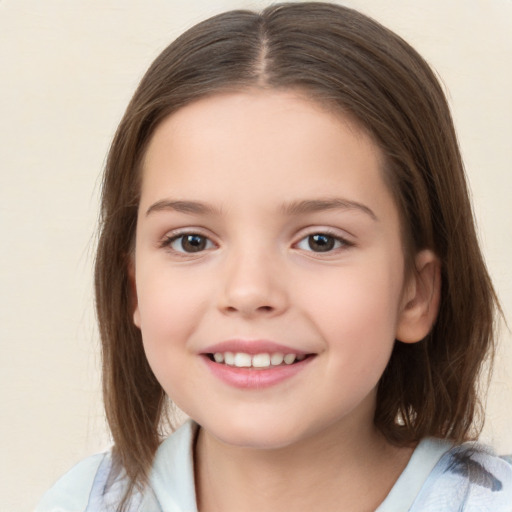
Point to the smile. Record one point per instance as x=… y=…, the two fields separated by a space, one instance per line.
x=255 y=364
x=256 y=371
x=262 y=360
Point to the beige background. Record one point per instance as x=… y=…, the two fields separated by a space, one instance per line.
x=67 y=70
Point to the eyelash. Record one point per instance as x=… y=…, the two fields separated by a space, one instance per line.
x=337 y=242
x=342 y=243
x=171 y=239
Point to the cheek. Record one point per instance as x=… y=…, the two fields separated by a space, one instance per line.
x=169 y=309
x=165 y=299
x=356 y=312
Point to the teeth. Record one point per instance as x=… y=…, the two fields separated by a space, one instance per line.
x=243 y=360
x=277 y=359
x=263 y=360
x=289 y=358
x=229 y=358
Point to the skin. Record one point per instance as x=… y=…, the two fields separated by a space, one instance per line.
x=309 y=441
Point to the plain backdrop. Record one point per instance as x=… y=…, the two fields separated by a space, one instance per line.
x=67 y=71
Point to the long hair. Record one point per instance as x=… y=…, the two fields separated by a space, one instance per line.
x=342 y=58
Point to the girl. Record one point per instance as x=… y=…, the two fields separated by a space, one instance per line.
x=287 y=253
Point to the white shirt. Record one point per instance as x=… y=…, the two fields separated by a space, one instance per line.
x=439 y=477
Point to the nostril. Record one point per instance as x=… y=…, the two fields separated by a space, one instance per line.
x=262 y=309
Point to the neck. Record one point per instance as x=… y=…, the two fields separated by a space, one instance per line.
x=353 y=466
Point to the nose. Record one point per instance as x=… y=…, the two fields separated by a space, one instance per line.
x=254 y=284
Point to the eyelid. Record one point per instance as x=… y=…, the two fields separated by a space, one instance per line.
x=345 y=240
x=171 y=236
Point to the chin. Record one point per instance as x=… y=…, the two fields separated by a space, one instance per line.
x=256 y=435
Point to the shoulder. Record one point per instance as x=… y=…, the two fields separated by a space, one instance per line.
x=469 y=477
x=96 y=484
x=93 y=485
x=71 y=492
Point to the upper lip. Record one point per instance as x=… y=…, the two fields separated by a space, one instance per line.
x=252 y=347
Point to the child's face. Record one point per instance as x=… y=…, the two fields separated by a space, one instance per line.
x=265 y=220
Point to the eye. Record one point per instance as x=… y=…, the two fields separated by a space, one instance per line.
x=321 y=242
x=189 y=243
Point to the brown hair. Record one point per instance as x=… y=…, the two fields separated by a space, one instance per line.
x=341 y=58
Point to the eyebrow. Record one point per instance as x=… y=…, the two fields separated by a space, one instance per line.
x=317 y=205
x=293 y=208
x=194 y=207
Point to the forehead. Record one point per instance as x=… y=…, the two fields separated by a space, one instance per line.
x=268 y=108
x=236 y=145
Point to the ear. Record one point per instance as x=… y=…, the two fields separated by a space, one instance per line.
x=420 y=303
x=133 y=291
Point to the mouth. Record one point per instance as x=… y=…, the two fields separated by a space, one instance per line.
x=255 y=364
x=260 y=361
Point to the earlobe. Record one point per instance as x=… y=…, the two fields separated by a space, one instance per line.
x=421 y=299
x=133 y=292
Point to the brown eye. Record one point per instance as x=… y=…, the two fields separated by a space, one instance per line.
x=321 y=242
x=190 y=243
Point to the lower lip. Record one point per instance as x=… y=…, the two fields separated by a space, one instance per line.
x=253 y=378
